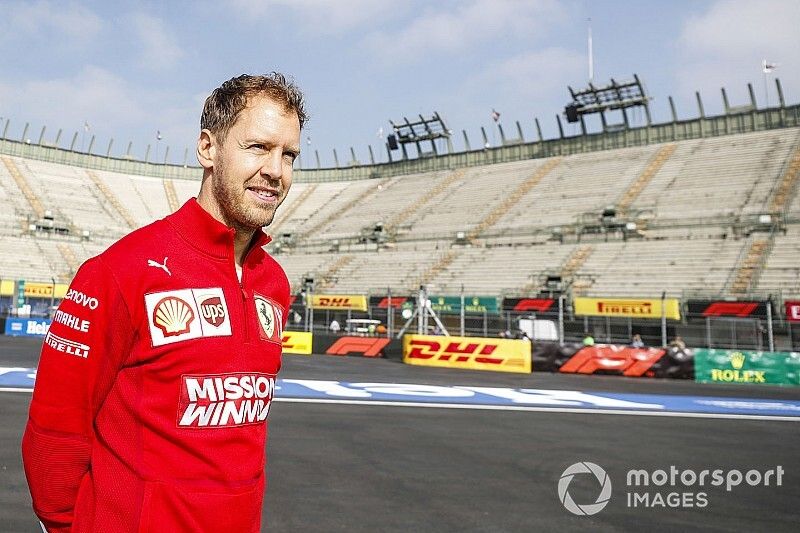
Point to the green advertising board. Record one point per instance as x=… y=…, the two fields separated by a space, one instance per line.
x=741 y=366
x=20 y=293
x=472 y=304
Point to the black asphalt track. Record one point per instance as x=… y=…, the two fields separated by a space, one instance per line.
x=371 y=468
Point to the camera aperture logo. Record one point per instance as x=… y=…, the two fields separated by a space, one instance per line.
x=603 y=498
x=663 y=488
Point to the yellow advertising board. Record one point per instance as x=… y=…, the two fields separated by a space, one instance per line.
x=6 y=287
x=475 y=353
x=297 y=342
x=44 y=290
x=628 y=307
x=341 y=302
x=34 y=289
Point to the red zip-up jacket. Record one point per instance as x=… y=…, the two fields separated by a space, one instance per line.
x=155 y=382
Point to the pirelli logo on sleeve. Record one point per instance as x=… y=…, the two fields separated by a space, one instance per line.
x=225 y=400
x=67 y=346
x=175 y=316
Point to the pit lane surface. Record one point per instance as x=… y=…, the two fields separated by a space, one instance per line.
x=374 y=467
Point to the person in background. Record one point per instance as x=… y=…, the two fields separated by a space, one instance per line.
x=588 y=340
x=335 y=327
x=678 y=343
x=637 y=341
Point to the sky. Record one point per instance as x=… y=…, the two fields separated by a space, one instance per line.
x=133 y=70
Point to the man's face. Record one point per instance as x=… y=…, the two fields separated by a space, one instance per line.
x=252 y=168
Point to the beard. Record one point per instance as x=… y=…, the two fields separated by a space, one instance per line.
x=235 y=204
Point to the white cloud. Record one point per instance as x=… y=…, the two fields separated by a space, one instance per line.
x=65 y=23
x=156 y=45
x=527 y=77
x=468 y=24
x=724 y=46
x=110 y=104
x=326 y=17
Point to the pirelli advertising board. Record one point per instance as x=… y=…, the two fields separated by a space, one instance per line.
x=339 y=302
x=741 y=366
x=628 y=307
x=474 y=353
x=297 y=342
x=34 y=289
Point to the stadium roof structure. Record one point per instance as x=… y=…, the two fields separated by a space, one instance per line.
x=736 y=118
x=617 y=95
x=424 y=130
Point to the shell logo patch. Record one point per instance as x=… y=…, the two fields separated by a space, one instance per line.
x=185 y=314
x=270 y=317
x=172 y=316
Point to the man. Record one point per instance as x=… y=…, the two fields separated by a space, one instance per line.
x=156 y=377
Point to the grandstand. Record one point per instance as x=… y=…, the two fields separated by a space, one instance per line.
x=706 y=206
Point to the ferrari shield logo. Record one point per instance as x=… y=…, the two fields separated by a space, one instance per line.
x=270 y=317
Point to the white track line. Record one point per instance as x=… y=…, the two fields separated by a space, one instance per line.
x=585 y=411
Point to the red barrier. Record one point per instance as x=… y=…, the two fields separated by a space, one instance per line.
x=608 y=357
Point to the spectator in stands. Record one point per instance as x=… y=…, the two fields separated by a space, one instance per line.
x=678 y=343
x=335 y=327
x=121 y=435
x=588 y=340
x=381 y=329
x=636 y=341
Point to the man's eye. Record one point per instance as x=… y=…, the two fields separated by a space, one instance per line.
x=257 y=147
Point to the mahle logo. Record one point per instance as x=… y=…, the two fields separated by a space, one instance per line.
x=584 y=467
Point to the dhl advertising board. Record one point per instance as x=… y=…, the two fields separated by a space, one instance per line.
x=339 y=302
x=627 y=307
x=475 y=353
x=741 y=366
x=297 y=342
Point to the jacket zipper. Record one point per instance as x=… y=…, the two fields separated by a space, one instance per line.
x=244 y=295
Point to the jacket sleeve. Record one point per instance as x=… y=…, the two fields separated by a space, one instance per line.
x=90 y=336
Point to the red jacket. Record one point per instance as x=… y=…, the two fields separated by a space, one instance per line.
x=154 y=385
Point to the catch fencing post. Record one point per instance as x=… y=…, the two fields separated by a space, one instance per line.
x=462 y=308
x=769 y=325
x=663 y=318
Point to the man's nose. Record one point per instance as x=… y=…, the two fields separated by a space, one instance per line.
x=272 y=167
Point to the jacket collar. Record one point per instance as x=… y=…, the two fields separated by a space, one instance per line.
x=206 y=234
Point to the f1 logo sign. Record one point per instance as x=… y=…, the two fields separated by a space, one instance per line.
x=608 y=357
x=367 y=346
x=730 y=309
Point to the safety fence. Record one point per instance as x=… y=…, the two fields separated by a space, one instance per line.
x=526 y=356
x=760 y=325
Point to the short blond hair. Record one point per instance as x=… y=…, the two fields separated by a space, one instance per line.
x=223 y=105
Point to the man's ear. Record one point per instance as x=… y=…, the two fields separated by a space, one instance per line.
x=206 y=149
